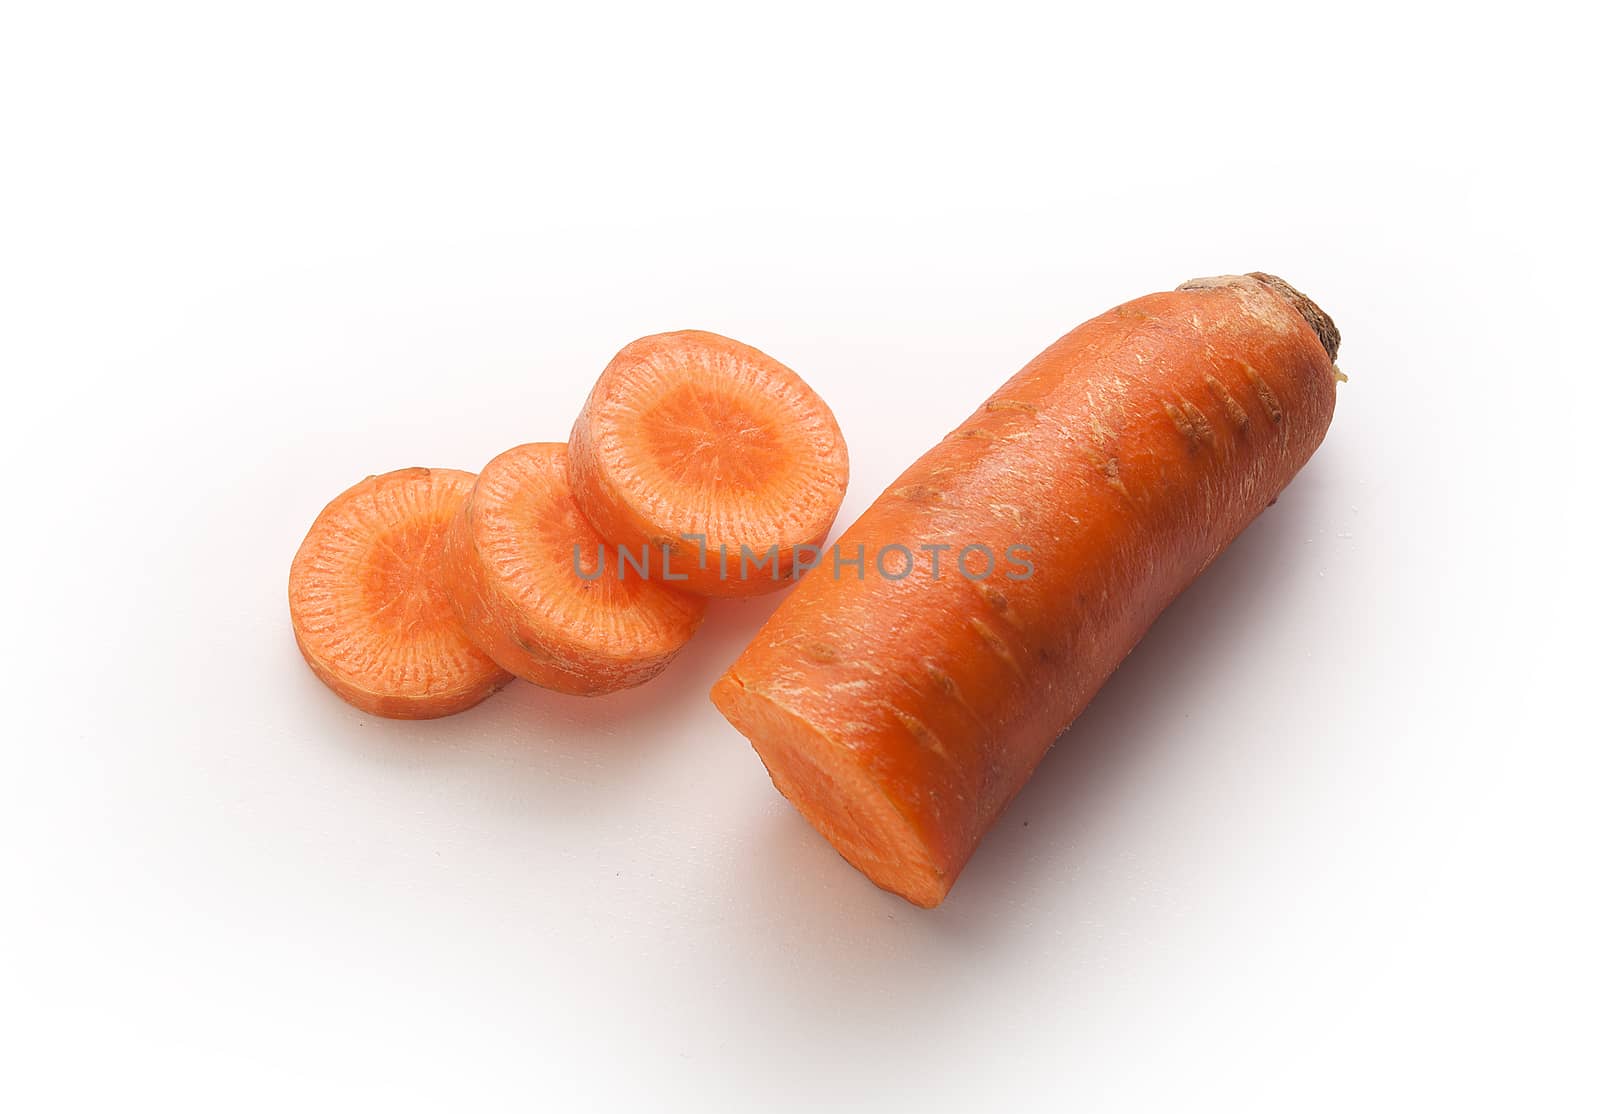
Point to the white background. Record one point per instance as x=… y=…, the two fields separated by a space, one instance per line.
x=1327 y=840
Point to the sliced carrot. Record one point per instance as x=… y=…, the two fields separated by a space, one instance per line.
x=533 y=587
x=901 y=714
x=714 y=452
x=368 y=608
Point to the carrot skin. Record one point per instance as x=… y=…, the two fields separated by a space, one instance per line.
x=902 y=716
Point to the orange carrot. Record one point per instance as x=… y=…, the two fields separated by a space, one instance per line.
x=525 y=571
x=900 y=716
x=368 y=608
x=712 y=452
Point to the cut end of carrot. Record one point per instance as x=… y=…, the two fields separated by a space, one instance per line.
x=836 y=795
x=368 y=605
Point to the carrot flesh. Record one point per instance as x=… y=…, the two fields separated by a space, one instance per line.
x=901 y=716
x=523 y=569
x=706 y=448
x=368 y=606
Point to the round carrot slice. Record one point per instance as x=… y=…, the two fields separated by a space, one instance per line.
x=536 y=587
x=368 y=607
x=714 y=451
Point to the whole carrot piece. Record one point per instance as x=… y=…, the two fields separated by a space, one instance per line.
x=905 y=691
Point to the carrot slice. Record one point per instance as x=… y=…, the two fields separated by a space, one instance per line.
x=713 y=451
x=368 y=608
x=533 y=587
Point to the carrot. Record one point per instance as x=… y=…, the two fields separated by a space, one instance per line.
x=524 y=570
x=900 y=716
x=368 y=609
x=712 y=453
